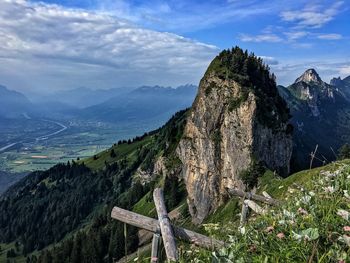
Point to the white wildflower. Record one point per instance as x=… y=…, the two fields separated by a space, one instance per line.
x=305 y=199
x=296 y=236
x=280 y=187
x=282 y=222
x=345 y=239
x=329 y=189
x=343 y=213
x=312 y=193
x=242 y=230
x=291 y=190
x=288 y=214
x=328 y=174
x=302 y=211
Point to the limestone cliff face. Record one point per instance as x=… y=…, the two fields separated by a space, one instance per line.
x=222 y=138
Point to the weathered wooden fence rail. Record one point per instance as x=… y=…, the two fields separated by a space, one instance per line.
x=248 y=195
x=152 y=225
x=163 y=227
x=248 y=202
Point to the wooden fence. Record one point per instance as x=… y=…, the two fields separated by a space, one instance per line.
x=165 y=230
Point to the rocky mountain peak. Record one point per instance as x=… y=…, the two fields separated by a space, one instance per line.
x=336 y=81
x=238 y=121
x=309 y=76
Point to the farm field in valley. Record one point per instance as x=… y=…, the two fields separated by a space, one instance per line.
x=30 y=149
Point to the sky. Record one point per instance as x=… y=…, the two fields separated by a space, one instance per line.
x=64 y=44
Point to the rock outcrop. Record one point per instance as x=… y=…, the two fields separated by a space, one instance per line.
x=232 y=125
x=342 y=85
x=309 y=87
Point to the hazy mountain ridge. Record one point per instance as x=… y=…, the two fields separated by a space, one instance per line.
x=144 y=103
x=13 y=104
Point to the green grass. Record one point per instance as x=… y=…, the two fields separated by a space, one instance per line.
x=18 y=259
x=122 y=151
x=145 y=206
x=305 y=228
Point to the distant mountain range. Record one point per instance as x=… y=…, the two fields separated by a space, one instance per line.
x=144 y=103
x=85 y=97
x=320 y=116
x=115 y=105
x=13 y=104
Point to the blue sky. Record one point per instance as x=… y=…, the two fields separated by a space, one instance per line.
x=61 y=44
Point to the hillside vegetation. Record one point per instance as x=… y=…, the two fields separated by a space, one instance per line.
x=71 y=203
x=311 y=225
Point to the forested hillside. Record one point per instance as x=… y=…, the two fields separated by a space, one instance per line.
x=72 y=202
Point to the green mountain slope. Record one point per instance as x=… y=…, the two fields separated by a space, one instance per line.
x=311 y=224
x=48 y=207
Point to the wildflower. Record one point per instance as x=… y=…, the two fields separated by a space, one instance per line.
x=242 y=230
x=211 y=227
x=302 y=211
x=281 y=235
x=282 y=222
x=291 y=190
x=288 y=214
x=343 y=213
x=346 y=228
x=305 y=199
x=329 y=189
x=269 y=229
x=296 y=236
x=346 y=240
x=252 y=248
x=346 y=194
x=312 y=193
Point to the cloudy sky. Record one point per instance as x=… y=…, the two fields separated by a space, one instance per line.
x=65 y=44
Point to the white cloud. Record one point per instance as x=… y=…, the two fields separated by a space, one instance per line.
x=186 y=15
x=50 y=46
x=345 y=71
x=292 y=36
x=330 y=36
x=260 y=38
x=269 y=60
x=312 y=16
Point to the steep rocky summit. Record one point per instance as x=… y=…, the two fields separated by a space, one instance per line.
x=237 y=120
x=343 y=85
x=310 y=87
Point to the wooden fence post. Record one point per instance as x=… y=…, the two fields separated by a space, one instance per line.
x=155 y=248
x=255 y=207
x=165 y=226
x=244 y=213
